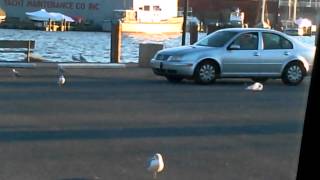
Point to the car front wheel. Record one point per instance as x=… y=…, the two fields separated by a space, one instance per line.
x=293 y=74
x=206 y=73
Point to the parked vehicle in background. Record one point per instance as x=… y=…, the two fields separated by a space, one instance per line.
x=237 y=53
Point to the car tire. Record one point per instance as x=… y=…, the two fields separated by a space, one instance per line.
x=206 y=73
x=174 y=79
x=259 y=79
x=293 y=74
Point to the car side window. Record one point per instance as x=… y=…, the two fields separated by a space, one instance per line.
x=247 y=41
x=274 y=41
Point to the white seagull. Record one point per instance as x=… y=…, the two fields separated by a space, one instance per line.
x=156 y=164
x=16 y=73
x=61 y=80
x=255 y=87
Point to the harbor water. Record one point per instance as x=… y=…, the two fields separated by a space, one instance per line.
x=93 y=46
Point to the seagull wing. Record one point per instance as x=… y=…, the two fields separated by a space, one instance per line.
x=82 y=59
x=75 y=58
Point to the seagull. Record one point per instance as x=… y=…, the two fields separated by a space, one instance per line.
x=16 y=73
x=79 y=59
x=61 y=80
x=255 y=87
x=82 y=59
x=156 y=164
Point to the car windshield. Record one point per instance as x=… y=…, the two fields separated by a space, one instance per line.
x=217 y=39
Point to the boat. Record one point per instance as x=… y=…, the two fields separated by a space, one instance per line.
x=47 y=20
x=150 y=16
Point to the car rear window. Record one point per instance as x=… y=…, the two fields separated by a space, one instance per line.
x=274 y=41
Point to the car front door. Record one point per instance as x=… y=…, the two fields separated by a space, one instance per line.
x=242 y=56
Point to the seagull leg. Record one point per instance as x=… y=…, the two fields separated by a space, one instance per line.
x=60 y=70
x=16 y=73
x=155 y=175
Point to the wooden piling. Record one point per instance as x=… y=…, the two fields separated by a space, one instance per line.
x=61 y=26
x=193 y=32
x=49 y=25
x=317 y=34
x=68 y=26
x=115 y=42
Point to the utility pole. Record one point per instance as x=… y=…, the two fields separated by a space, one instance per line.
x=294 y=10
x=184 y=25
x=289 y=10
x=263 y=10
x=277 y=17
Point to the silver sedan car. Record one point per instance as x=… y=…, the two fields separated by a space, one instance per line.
x=253 y=53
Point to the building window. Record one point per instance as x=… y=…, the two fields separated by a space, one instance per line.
x=146 y=8
x=156 y=8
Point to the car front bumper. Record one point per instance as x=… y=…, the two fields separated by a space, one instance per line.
x=166 y=68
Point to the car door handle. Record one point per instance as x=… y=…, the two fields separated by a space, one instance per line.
x=286 y=53
x=256 y=54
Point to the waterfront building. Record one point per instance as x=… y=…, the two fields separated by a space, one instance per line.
x=98 y=12
x=93 y=11
x=101 y=12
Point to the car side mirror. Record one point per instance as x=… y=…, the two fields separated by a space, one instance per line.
x=234 y=47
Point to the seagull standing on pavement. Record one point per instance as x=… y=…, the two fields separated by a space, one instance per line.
x=61 y=80
x=16 y=73
x=255 y=87
x=156 y=164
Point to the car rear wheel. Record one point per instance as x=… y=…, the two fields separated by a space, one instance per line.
x=206 y=73
x=174 y=79
x=293 y=74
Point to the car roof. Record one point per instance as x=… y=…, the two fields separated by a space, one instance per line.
x=248 y=29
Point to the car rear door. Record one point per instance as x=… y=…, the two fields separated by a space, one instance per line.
x=275 y=52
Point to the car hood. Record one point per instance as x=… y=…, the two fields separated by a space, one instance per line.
x=184 y=50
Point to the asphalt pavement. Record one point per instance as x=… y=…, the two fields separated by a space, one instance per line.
x=106 y=123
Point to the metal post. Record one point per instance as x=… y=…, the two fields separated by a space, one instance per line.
x=184 y=25
x=193 y=32
x=115 y=42
x=277 y=17
x=263 y=10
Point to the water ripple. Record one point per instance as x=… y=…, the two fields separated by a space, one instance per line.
x=94 y=46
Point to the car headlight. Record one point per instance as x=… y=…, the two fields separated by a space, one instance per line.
x=175 y=58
